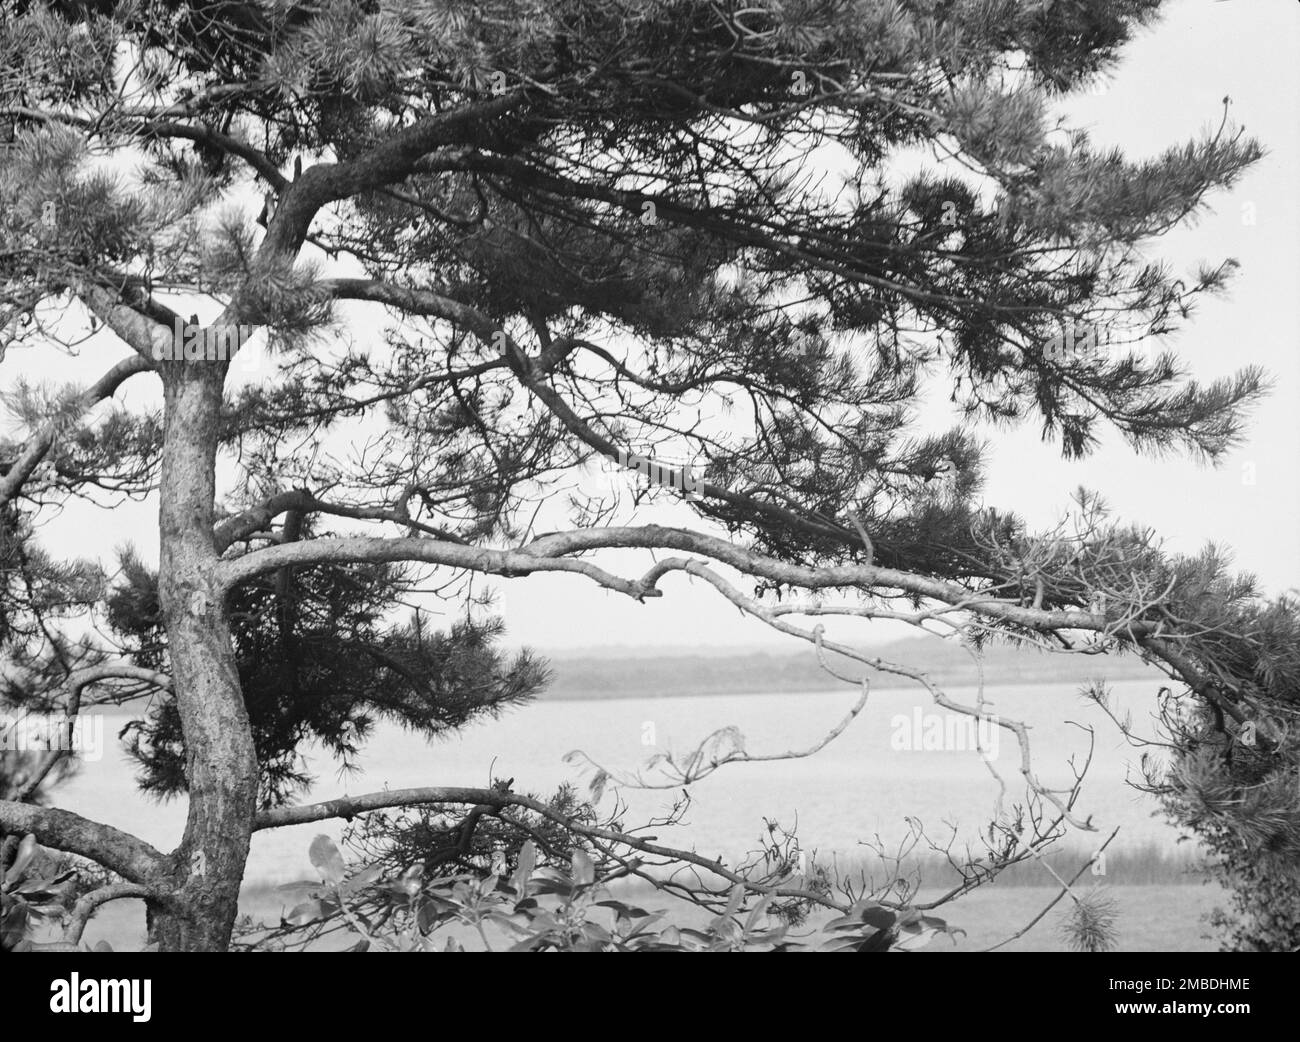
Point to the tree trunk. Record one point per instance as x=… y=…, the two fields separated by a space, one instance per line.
x=221 y=765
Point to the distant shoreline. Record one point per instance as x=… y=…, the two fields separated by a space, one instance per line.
x=651 y=679
x=883 y=682
x=678 y=675
x=893 y=684
x=947 y=664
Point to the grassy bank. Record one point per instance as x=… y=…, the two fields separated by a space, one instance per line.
x=1135 y=866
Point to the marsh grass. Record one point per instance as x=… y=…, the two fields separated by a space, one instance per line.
x=1146 y=864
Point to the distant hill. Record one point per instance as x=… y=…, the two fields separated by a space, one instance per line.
x=592 y=677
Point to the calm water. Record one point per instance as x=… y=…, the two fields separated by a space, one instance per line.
x=860 y=787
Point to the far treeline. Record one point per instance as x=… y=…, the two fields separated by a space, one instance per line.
x=681 y=673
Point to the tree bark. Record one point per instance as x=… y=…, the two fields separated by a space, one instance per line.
x=208 y=866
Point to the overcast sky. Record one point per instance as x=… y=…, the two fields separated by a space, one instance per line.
x=1169 y=88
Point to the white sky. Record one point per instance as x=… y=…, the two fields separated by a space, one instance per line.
x=1169 y=88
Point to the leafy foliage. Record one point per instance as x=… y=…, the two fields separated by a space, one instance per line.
x=38 y=889
x=565 y=908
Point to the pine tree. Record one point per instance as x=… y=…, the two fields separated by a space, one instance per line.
x=603 y=230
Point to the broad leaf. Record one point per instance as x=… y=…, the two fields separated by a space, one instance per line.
x=325 y=856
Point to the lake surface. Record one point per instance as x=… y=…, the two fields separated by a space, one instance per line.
x=862 y=786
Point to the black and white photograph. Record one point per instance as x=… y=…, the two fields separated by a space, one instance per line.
x=650 y=476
